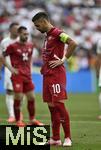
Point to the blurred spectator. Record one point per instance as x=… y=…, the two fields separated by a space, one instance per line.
x=79 y=61
x=81 y=19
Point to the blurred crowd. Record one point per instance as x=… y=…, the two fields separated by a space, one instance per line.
x=81 y=19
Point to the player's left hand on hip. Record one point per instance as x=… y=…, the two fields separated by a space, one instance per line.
x=55 y=63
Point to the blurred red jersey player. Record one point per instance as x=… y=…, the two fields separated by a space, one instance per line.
x=54 y=75
x=20 y=54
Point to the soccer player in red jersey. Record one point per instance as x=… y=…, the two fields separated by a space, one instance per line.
x=20 y=54
x=54 y=75
x=10 y=39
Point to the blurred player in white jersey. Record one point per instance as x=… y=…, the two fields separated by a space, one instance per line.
x=13 y=36
x=99 y=71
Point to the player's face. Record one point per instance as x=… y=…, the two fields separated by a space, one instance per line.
x=41 y=25
x=14 y=31
x=24 y=35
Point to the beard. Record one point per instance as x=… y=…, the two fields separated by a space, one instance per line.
x=42 y=31
x=24 y=39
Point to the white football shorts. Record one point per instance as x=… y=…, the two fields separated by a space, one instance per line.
x=99 y=82
x=7 y=79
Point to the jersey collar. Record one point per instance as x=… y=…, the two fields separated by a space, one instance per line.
x=49 y=32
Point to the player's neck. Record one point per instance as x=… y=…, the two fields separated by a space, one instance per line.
x=13 y=37
x=22 y=42
x=49 y=27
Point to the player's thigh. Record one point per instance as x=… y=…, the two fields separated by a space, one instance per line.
x=47 y=97
x=28 y=87
x=58 y=87
x=17 y=85
x=8 y=83
x=18 y=96
x=7 y=79
x=30 y=95
x=99 y=81
x=9 y=92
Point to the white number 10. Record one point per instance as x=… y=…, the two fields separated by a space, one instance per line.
x=56 y=88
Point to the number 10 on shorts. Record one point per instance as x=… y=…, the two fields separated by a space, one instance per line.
x=56 y=88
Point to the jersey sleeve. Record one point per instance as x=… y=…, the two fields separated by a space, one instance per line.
x=62 y=36
x=99 y=47
x=56 y=32
x=9 y=50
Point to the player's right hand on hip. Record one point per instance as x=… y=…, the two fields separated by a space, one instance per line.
x=1 y=62
x=14 y=71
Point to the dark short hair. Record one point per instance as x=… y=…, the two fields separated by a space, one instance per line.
x=21 y=28
x=39 y=15
x=13 y=24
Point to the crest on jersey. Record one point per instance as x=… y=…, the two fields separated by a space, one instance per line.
x=25 y=56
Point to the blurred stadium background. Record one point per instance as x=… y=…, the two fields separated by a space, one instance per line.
x=81 y=19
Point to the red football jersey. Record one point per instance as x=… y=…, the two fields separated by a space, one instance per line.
x=53 y=49
x=20 y=55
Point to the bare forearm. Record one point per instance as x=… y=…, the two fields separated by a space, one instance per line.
x=71 y=47
x=98 y=65
x=3 y=61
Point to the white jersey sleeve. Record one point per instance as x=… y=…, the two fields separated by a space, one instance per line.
x=1 y=47
x=99 y=47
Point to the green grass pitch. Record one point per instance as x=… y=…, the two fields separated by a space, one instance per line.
x=85 y=127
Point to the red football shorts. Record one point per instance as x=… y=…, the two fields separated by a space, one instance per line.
x=21 y=85
x=54 y=87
